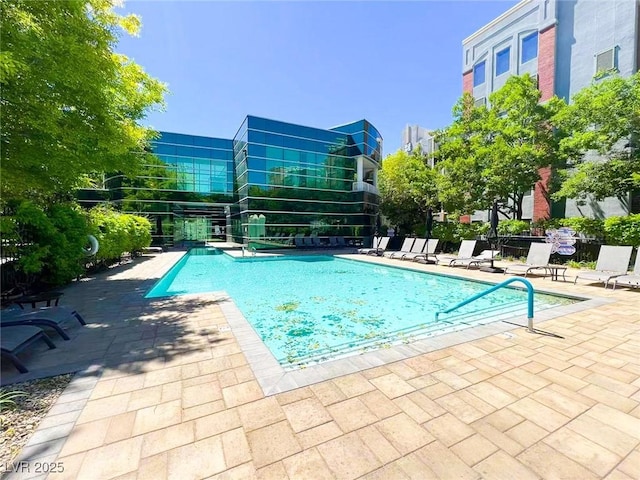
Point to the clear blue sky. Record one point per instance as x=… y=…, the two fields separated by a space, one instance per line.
x=319 y=64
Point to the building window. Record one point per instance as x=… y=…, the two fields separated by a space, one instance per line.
x=478 y=74
x=605 y=61
x=502 y=61
x=530 y=47
x=480 y=102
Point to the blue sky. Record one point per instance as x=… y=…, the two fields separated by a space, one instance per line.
x=319 y=64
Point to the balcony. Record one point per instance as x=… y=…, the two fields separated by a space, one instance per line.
x=364 y=187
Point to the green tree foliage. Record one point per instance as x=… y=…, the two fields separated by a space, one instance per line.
x=407 y=187
x=70 y=105
x=497 y=152
x=604 y=119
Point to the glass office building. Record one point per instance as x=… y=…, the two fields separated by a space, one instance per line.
x=273 y=181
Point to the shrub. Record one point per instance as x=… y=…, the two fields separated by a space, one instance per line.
x=589 y=227
x=623 y=230
x=51 y=241
x=118 y=233
x=512 y=227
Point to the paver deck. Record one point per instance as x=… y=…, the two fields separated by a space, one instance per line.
x=167 y=391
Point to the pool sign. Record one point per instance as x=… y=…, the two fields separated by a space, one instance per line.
x=563 y=240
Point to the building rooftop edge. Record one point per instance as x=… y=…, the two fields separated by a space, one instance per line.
x=497 y=20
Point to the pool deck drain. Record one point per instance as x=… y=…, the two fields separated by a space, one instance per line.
x=167 y=392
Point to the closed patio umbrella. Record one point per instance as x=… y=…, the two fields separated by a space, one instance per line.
x=493 y=222
x=429 y=224
x=492 y=237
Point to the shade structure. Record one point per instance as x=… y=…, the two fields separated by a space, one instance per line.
x=429 y=224
x=493 y=222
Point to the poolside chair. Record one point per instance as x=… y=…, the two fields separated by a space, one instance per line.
x=333 y=242
x=14 y=339
x=317 y=243
x=486 y=256
x=52 y=317
x=428 y=249
x=406 y=247
x=341 y=242
x=382 y=247
x=613 y=261
x=537 y=258
x=416 y=248
x=298 y=240
x=307 y=242
x=632 y=280
x=374 y=244
x=465 y=251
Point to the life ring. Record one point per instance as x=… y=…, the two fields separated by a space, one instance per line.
x=93 y=246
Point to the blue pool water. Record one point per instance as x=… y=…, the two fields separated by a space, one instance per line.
x=316 y=307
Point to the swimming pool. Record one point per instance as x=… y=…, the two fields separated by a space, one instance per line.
x=313 y=308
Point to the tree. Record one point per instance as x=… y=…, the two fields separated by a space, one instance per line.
x=407 y=187
x=70 y=105
x=603 y=119
x=497 y=152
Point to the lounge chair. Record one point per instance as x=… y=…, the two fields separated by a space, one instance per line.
x=333 y=242
x=298 y=240
x=537 y=258
x=428 y=249
x=317 y=243
x=382 y=247
x=486 y=256
x=52 y=317
x=464 y=252
x=613 y=261
x=307 y=242
x=14 y=339
x=341 y=242
x=374 y=244
x=416 y=248
x=632 y=280
x=406 y=247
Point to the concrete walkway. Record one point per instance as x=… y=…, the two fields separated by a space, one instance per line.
x=166 y=391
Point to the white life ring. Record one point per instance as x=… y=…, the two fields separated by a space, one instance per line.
x=92 y=249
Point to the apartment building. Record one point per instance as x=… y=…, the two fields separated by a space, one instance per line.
x=563 y=43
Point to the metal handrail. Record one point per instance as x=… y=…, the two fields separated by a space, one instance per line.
x=530 y=293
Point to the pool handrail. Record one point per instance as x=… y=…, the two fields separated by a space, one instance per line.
x=530 y=292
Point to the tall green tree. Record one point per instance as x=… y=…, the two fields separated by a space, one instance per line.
x=407 y=188
x=603 y=148
x=497 y=152
x=70 y=104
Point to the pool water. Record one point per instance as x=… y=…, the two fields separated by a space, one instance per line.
x=312 y=308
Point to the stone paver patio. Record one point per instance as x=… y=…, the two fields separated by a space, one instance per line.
x=166 y=390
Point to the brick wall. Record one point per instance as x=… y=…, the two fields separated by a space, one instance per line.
x=467 y=82
x=546 y=85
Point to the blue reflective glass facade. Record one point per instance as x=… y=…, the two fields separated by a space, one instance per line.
x=296 y=179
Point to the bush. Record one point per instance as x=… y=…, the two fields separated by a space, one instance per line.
x=589 y=227
x=512 y=227
x=49 y=244
x=623 y=230
x=118 y=233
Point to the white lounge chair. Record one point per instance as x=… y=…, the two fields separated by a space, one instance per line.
x=486 y=256
x=374 y=245
x=537 y=258
x=428 y=251
x=417 y=248
x=382 y=247
x=632 y=280
x=613 y=261
x=466 y=251
x=406 y=247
